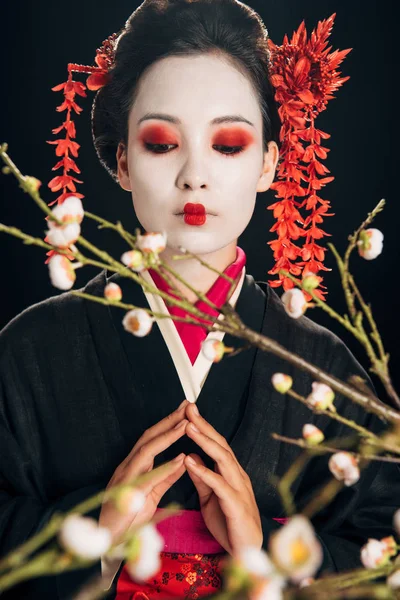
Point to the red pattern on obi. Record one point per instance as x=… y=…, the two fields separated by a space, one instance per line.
x=189 y=576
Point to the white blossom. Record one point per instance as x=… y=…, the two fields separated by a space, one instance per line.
x=112 y=291
x=312 y=434
x=306 y=582
x=396 y=521
x=344 y=466
x=146 y=562
x=374 y=554
x=134 y=259
x=152 y=242
x=63 y=237
x=61 y=271
x=295 y=549
x=393 y=580
x=70 y=211
x=322 y=396
x=268 y=589
x=255 y=561
x=83 y=537
x=295 y=302
x=370 y=243
x=213 y=349
x=130 y=500
x=138 y=321
x=281 y=382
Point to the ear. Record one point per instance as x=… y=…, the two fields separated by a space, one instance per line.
x=269 y=167
x=122 y=171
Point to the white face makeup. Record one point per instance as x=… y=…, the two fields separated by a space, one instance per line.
x=185 y=157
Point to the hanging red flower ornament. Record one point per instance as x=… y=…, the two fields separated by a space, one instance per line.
x=67 y=147
x=305 y=76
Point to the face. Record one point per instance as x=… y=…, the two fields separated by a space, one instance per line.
x=182 y=150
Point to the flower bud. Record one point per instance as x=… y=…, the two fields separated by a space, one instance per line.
x=310 y=281
x=32 y=183
x=344 y=466
x=82 y=537
x=130 y=500
x=63 y=237
x=312 y=434
x=133 y=259
x=321 y=397
x=306 y=582
x=294 y=302
x=396 y=521
x=213 y=349
x=138 y=322
x=152 y=242
x=370 y=243
x=145 y=560
x=374 y=554
x=62 y=274
x=393 y=581
x=112 y=291
x=69 y=211
x=281 y=382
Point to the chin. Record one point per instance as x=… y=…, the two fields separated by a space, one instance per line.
x=196 y=242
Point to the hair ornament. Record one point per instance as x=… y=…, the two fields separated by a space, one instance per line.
x=305 y=76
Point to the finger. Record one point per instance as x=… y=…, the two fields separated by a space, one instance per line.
x=160 y=474
x=226 y=494
x=164 y=425
x=160 y=489
x=204 y=491
x=194 y=416
x=145 y=455
x=227 y=464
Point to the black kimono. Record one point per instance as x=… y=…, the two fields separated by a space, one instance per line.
x=77 y=391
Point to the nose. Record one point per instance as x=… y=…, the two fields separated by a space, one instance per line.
x=192 y=174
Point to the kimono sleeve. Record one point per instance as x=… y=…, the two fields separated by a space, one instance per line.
x=24 y=508
x=365 y=509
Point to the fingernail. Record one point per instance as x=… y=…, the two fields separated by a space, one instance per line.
x=195 y=409
x=190 y=460
x=182 y=404
x=180 y=424
x=194 y=428
x=178 y=458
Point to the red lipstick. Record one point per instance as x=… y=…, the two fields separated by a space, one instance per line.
x=194 y=214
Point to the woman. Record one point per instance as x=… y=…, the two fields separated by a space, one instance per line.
x=187 y=123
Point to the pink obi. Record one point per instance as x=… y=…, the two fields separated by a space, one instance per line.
x=186 y=533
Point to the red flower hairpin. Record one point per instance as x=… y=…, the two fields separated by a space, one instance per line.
x=304 y=74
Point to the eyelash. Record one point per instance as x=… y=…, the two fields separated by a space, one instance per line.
x=238 y=149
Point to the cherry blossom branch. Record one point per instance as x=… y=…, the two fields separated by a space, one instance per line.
x=323 y=449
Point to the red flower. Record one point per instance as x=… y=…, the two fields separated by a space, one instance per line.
x=304 y=74
x=98 y=76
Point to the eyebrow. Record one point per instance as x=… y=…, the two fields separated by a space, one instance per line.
x=176 y=121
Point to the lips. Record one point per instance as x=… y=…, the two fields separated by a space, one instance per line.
x=194 y=209
x=194 y=214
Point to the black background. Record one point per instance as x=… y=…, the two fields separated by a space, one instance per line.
x=39 y=39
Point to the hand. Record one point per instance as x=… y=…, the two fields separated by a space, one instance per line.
x=141 y=460
x=226 y=496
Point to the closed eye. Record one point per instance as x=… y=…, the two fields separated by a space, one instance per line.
x=163 y=148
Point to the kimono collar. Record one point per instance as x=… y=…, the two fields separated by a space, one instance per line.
x=192 y=335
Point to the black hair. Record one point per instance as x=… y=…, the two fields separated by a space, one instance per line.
x=161 y=28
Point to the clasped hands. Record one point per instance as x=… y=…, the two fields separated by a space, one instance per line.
x=227 y=501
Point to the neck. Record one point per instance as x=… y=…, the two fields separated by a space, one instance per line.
x=193 y=272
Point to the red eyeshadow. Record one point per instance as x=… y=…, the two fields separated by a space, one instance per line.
x=233 y=137
x=157 y=134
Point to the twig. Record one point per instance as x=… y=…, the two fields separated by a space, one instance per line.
x=323 y=449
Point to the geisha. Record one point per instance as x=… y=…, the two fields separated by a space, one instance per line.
x=188 y=126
